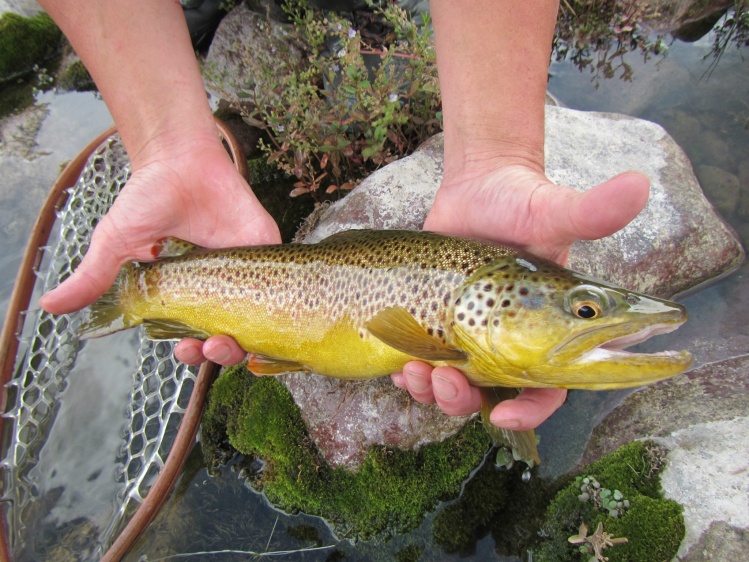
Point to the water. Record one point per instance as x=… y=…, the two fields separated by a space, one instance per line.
x=705 y=109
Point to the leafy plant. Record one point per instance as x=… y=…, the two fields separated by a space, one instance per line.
x=354 y=105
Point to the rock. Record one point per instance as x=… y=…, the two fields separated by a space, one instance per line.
x=248 y=52
x=345 y=418
x=25 y=181
x=26 y=8
x=720 y=542
x=710 y=148
x=722 y=187
x=743 y=210
x=671 y=15
x=703 y=419
x=677 y=243
x=707 y=453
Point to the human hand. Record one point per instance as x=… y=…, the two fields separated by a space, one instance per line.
x=517 y=205
x=189 y=189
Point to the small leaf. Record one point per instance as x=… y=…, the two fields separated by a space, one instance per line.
x=298 y=191
x=331 y=188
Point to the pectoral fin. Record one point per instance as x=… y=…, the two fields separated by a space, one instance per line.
x=522 y=443
x=264 y=365
x=398 y=329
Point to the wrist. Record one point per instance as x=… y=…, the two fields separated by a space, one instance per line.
x=480 y=150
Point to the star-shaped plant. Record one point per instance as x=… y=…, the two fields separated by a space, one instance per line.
x=595 y=543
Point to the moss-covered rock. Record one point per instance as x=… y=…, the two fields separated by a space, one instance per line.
x=653 y=526
x=75 y=77
x=392 y=490
x=25 y=42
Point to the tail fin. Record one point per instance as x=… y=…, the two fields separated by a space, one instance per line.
x=106 y=316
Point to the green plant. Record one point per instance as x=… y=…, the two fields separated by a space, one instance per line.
x=353 y=105
x=612 y=501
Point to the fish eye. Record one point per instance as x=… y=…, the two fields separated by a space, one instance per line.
x=586 y=310
x=587 y=302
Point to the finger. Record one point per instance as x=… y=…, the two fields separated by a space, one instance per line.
x=531 y=408
x=190 y=351
x=607 y=207
x=418 y=379
x=453 y=393
x=223 y=350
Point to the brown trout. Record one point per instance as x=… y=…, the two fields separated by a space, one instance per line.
x=360 y=304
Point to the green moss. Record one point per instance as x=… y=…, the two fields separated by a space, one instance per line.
x=25 y=42
x=654 y=526
x=391 y=491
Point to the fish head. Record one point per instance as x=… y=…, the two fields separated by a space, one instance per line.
x=545 y=326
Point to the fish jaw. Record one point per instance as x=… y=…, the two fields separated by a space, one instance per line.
x=601 y=362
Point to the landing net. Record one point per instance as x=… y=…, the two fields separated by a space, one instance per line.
x=47 y=354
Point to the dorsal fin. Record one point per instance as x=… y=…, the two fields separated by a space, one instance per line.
x=397 y=328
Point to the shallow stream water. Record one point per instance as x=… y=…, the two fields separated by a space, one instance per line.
x=704 y=106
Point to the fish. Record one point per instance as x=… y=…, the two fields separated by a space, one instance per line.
x=361 y=303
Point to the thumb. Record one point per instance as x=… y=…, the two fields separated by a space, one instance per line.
x=91 y=279
x=607 y=207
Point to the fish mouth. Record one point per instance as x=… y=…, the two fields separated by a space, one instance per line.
x=604 y=364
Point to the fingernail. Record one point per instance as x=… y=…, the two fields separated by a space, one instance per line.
x=221 y=353
x=416 y=382
x=444 y=389
x=509 y=423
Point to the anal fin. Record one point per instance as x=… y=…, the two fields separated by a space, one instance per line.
x=522 y=443
x=398 y=329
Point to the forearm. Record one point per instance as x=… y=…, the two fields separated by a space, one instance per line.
x=493 y=59
x=140 y=56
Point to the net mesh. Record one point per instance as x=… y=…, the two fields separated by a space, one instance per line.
x=49 y=346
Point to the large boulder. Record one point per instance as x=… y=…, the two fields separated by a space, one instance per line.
x=677 y=243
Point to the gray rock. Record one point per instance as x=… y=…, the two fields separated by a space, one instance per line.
x=677 y=243
x=721 y=542
x=26 y=8
x=670 y=15
x=248 y=52
x=722 y=187
x=707 y=474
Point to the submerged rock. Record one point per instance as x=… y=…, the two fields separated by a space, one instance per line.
x=677 y=243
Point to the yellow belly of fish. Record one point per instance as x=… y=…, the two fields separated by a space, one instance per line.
x=340 y=350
